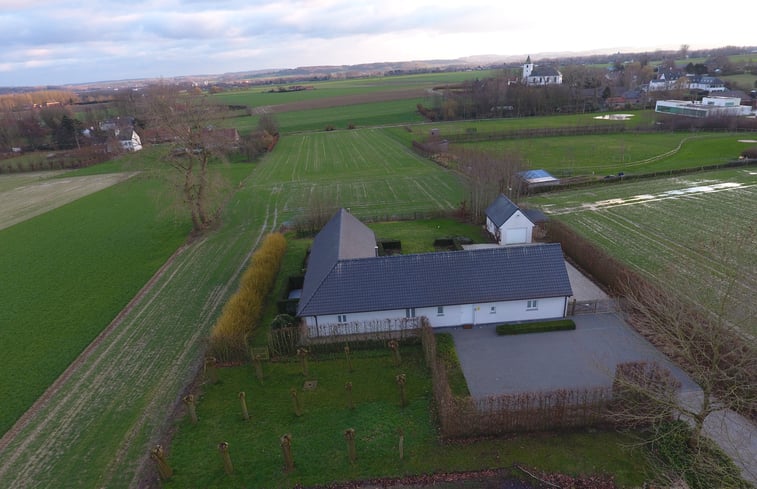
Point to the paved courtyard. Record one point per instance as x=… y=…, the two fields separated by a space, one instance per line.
x=585 y=357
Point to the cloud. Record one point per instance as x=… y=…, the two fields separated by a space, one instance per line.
x=64 y=41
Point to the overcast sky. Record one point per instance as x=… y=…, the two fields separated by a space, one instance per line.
x=59 y=42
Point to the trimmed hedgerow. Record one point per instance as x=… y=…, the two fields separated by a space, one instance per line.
x=536 y=327
x=241 y=314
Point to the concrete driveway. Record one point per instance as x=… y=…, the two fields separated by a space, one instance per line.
x=582 y=358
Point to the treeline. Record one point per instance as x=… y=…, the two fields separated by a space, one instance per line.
x=41 y=98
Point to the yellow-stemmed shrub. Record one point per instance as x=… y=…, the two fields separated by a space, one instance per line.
x=242 y=313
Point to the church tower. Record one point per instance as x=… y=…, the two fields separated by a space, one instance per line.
x=528 y=67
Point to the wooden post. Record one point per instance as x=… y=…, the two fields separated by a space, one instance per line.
x=349 y=358
x=257 y=361
x=401 y=380
x=350 y=401
x=395 y=347
x=295 y=402
x=223 y=447
x=286 y=449
x=243 y=403
x=401 y=444
x=302 y=353
x=211 y=369
x=189 y=401
x=164 y=470
x=349 y=435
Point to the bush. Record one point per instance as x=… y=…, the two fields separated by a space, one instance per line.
x=536 y=327
x=242 y=313
x=702 y=467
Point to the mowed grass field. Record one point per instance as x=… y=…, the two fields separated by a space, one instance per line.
x=363 y=169
x=669 y=227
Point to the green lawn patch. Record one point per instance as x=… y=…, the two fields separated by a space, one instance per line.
x=318 y=445
x=536 y=327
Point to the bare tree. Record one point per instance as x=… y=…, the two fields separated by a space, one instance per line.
x=185 y=123
x=704 y=319
x=487 y=176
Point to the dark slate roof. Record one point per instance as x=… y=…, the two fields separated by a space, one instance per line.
x=544 y=71
x=535 y=215
x=438 y=279
x=343 y=237
x=500 y=210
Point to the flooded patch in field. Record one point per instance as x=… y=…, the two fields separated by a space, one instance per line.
x=644 y=198
x=614 y=117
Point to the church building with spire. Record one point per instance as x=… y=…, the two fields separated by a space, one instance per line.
x=540 y=75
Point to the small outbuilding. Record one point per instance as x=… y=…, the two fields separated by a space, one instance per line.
x=507 y=224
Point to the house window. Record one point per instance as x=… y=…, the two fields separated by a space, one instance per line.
x=440 y=311
x=341 y=318
x=410 y=312
x=493 y=310
x=532 y=305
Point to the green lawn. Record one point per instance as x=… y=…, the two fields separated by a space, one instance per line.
x=318 y=446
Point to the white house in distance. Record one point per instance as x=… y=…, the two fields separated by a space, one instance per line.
x=129 y=140
x=540 y=75
x=708 y=107
x=507 y=223
x=347 y=284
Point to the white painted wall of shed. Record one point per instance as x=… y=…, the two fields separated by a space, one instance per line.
x=516 y=230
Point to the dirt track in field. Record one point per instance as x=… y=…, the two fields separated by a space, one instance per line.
x=32 y=198
x=330 y=102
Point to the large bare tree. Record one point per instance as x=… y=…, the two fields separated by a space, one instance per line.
x=186 y=125
x=487 y=176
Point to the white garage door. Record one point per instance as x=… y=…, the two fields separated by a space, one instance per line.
x=516 y=235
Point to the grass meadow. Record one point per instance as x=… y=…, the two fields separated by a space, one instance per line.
x=629 y=153
x=319 y=449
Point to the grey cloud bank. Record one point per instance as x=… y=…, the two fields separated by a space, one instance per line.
x=59 y=42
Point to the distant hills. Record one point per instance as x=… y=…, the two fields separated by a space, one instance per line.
x=314 y=73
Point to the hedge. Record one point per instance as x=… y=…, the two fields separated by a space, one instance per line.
x=536 y=327
x=242 y=313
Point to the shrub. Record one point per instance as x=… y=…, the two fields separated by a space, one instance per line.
x=242 y=313
x=536 y=327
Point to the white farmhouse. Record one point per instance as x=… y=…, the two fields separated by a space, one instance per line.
x=347 y=284
x=129 y=140
x=507 y=224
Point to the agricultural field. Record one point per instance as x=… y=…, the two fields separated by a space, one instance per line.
x=628 y=153
x=390 y=112
x=29 y=195
x=339 y=89
x=364 y=170
x=95 y=424
x=670 y=226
